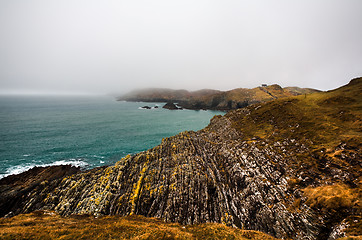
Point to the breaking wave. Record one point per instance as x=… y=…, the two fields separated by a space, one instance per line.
x=25 y=167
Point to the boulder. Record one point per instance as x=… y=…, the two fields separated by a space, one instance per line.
x=171 y=106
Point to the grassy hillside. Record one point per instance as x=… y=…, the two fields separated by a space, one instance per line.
x=49 y=225
x=327 y=118
x=330 y=124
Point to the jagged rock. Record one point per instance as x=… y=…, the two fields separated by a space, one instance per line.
x=14 y=188
x=171 y=106
x=261 y=168
x=146 y=107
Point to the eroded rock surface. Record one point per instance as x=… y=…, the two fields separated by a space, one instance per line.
x=15 y=188
x=254 y=168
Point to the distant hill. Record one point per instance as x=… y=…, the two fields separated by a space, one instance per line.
x=214 y=99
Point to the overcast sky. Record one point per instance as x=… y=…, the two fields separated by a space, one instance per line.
x=105 y=46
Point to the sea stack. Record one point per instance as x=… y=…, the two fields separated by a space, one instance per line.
x=171 y=106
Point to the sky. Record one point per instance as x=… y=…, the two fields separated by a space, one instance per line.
x=114 y=46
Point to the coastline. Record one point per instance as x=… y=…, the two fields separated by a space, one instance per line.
x=288 y=163
x=85 y=131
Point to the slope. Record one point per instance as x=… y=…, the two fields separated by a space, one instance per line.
x=289 y=167
x=49 y=225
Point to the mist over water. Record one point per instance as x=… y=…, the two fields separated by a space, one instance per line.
x=112 y=46
x=83 y=131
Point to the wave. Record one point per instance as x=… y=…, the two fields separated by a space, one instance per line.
x=142 y=108
x=25 y=167
x=154 y=107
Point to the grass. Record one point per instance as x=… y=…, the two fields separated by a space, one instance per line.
x=332 y=197
x=338 y=200
x=49 y=225
x=326 y=118
x=323 y=122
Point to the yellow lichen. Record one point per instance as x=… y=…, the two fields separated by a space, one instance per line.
x=97 y=201
x=227 y=219
x=137 y=189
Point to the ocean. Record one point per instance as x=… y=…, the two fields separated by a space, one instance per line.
x=85 y=131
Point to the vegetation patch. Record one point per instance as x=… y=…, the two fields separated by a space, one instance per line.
x=330 y=197
x=49 y=225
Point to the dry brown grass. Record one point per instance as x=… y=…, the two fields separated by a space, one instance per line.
x=351 y=238
x=48 y=225
x=332 y=197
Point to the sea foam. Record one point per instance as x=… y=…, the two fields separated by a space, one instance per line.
x=23 y=168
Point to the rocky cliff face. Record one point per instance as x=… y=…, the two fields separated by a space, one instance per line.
x=15 y=188
x=290 y=168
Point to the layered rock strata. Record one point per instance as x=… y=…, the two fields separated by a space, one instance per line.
x=259 y=168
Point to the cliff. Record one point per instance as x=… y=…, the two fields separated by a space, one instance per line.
x=214 y=99
x=290 y=168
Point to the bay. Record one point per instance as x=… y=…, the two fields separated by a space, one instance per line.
x=85 y=131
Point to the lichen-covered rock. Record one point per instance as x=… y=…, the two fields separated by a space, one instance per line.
x=15 y=188
x=251 y=169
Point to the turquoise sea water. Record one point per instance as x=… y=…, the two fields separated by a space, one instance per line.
x=83 y=131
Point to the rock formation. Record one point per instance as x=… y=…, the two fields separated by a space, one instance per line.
x=213 y=99
x=289 y=167
x=14 y=188
x=171 y=106
x=146 y=107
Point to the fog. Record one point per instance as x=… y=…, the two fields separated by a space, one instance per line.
x=106 y=46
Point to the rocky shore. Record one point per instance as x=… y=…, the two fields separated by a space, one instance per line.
x=290 y=168
x=208 y=99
